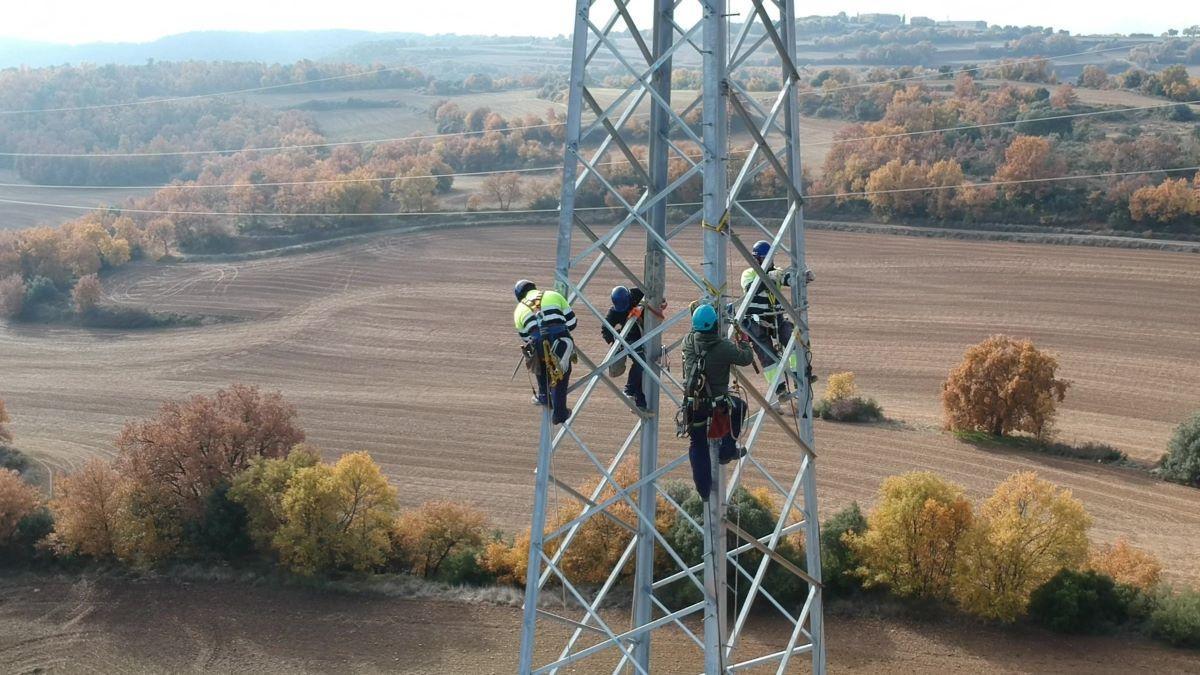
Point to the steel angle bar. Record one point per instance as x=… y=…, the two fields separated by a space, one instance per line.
x=595 y=47
x=620 y=351
x=736 y=63
x=783 y=174
x=616 y=461
x=591 y=511
x=628 y=635
x=770 y=122
x=611 y=581
x=694 y=218
x=569 y=622
x=624 y=494
x=667 y=250
x=763 y=660
x=773 y=543
x=769 y=27
x=613 y=639
x=762 y=401
x=641 y=76
x=615 y=135
x=645 y=202
x=636 y=34
x=749 y=601
x=676 y=576
x=581 y=498
x=770 y=553
x=608 y=252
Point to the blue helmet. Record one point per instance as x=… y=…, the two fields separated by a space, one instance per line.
x=704 y=319
x=761 y=248
x=523 y=286
x=621 y=298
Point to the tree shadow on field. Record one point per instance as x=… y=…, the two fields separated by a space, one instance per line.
x=1129 y=472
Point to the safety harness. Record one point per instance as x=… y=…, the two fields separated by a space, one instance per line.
x=531 y=351
x=699 y=403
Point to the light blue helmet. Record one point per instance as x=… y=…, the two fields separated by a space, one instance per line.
x=704 y=319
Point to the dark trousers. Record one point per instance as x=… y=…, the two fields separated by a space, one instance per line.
x=763 y=338
x=698 y=447
x=633 y=385
x=558 y=393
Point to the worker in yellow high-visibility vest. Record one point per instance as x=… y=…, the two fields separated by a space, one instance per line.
x=544 y=320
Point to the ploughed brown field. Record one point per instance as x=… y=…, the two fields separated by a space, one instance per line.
x=402 y=345
x=107 y=626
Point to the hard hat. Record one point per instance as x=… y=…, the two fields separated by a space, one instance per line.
x=704 y=319
x=621 y=298
x=523 y=286
x=761 y=248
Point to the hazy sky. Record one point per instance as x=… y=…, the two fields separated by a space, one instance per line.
x=76 y=21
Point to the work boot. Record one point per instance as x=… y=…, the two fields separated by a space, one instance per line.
x=559 y=419
x=538 y=399
x=739 y=452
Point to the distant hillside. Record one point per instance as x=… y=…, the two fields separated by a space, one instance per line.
x=272 y=47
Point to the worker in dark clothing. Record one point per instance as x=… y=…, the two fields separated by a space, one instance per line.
x=627 y=306
x=711 y=401
x=766 y=321
x=544 y=320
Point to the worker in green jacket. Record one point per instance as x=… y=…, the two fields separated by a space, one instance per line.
x=708 y=392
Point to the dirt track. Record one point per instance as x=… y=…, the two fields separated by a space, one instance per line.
x=173 y=627
x=401 y=345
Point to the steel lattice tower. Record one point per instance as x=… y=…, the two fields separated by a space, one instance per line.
x=607 y=41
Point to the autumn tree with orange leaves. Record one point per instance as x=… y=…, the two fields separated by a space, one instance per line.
x=1030 y=159
x=18 y=499
x=177 y=459
x=1003 y=385
x=913 y=536
x=88 y=508
x=428 y=536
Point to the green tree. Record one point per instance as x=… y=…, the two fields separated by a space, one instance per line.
x=1182 y=461
x=337 y=517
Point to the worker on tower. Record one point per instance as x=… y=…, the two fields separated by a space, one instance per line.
x=766 y=321
x=626 y=306
x=544 y=320
x=709 y=410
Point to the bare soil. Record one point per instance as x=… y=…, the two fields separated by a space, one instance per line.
x=65 y=625
x=401 y=345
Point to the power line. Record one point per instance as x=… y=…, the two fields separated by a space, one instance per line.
x=1092 y=113
x=331 y=144
x=274 y=148
x=996 y=62
x=192 y=97
x=865 y=193
x=181 y=186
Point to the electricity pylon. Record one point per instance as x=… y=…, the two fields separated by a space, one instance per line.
x=601 y=153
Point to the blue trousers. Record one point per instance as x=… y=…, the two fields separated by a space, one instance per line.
x=698 y=446
x=633 y=385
